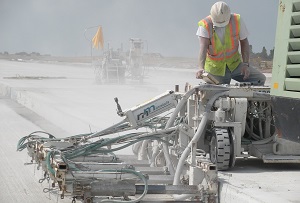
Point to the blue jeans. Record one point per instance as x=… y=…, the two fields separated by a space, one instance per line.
x=255 y=77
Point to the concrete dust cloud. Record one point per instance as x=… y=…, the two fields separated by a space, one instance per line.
x=57 y=27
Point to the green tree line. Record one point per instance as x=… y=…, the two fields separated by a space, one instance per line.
x=264 y=55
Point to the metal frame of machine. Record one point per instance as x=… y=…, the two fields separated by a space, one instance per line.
x=85 y=168
x=185 y=137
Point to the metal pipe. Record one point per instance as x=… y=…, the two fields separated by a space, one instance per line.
x=142 y=177
x=112 y=187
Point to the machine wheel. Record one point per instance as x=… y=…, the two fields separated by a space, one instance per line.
x=220 y=149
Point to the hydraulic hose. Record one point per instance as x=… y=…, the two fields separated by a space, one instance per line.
x=135 y=147
x=170 y=122
x=263 y=96
x=111 y=129
x=21 y=145
x=265 y=141
x=155 y=153
x=195 y=139
x=48 y=161
x=175 y=113
x=144 y=150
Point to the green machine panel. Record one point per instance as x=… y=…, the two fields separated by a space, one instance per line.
x=285 y=84
x=286 y=64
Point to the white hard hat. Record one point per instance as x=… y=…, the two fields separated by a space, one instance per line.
x=220 y=14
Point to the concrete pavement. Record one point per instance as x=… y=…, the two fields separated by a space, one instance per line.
x=20 y=183
x=64 y=100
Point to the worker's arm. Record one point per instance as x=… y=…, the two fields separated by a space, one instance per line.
x=204 y=43
x=245 y=49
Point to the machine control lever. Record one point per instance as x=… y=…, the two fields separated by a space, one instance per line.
x=119 y=109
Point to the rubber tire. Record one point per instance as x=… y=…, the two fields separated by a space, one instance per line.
x=220 y=149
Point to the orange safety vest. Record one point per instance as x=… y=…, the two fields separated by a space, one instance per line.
x=221 y=55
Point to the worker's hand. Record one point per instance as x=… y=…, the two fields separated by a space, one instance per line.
x=199 y=74
x=245 y=71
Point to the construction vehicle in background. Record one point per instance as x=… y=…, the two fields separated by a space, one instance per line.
x=112 y=67
x=117 y=66
x=136 y=68
x=181 y=139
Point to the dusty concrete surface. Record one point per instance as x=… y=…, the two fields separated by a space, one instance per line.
x=69 y=102
x=254 y=181
x=19 y=183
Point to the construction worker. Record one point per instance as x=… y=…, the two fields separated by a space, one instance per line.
x=220 y=34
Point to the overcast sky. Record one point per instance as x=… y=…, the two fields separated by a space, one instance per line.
x=57 y=27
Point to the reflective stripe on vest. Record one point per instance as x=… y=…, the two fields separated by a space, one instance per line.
x=223 y=54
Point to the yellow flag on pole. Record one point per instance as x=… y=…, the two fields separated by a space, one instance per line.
x=98 y=39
